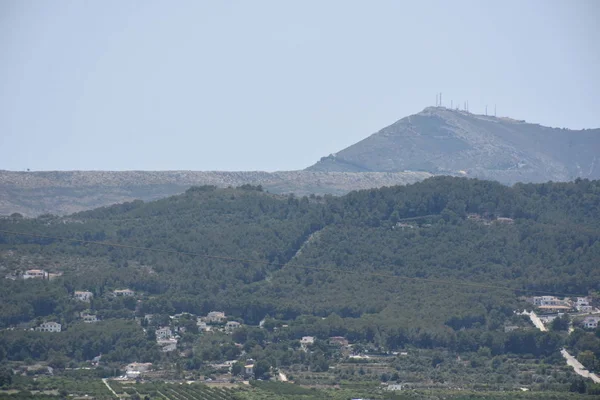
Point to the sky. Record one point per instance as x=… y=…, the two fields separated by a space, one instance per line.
x=274 y=85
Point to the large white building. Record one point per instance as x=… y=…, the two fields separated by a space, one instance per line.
x=83 y=295
x=215 y=316
x=35 y=273
x=49 y=327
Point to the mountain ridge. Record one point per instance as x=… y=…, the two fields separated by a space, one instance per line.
x=439 y=140
x=65 y=192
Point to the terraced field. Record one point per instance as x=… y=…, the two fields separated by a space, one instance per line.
x=175 y=391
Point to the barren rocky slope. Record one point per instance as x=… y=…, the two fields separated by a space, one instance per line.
x=443 y=141
x=64 y=192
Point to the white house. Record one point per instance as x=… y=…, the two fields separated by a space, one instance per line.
x=163 y=333
x=306 y=340
x=230 y=326
x=35 y=273
x=49 y=327
x=591 y=322
x=249 y=369
x=215 y=316
x=83 y=295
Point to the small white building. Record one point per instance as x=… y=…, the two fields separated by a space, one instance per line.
x=582 y=301
x=215 y=317
x=168 y=345
x=124 y=292
x=49 y=327
x=89 y=318
x=584 y=309
x=202 y=326
x=230 y=326
x=590 y=322
x=135 y=369
x=83 y=295
x=35 y=273
x=306 y=340
x=248 y=369
x=163 y=333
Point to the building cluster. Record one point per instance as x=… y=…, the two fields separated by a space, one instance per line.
x=167 y=336
x=33 y=274
x=216 y=320
x=555 y=304
x=166 y=339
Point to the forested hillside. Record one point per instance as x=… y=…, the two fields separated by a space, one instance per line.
x=440 y=263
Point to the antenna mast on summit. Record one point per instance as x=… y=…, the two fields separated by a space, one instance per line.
x=486 y=109
x=441 y=99
x=494 y=110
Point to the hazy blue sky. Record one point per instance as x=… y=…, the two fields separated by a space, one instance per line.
x=274 y=85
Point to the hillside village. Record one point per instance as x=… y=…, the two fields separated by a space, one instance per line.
x=580 y=310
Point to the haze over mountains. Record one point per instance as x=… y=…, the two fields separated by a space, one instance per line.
x=436 y=141
x=444 y=141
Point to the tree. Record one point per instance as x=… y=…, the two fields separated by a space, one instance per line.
x=237 y=368
x=560 y=323
x=588 y=359
x=6 y=375
x=261 y=369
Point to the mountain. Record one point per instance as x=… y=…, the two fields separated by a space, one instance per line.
x=65 y=192
x=439 y=140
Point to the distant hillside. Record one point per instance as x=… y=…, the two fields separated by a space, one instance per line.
x=443 y=141
x=64 y=192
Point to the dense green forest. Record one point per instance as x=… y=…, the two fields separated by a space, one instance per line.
x=427 y=265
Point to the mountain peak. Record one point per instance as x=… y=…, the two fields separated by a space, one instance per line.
x=441 y=140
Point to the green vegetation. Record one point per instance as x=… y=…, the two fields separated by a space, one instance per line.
x=425 y=268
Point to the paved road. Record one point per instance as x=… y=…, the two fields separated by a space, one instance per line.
x=536 y=320
x=571 y=361
x=111 y=389
x=578 y=367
